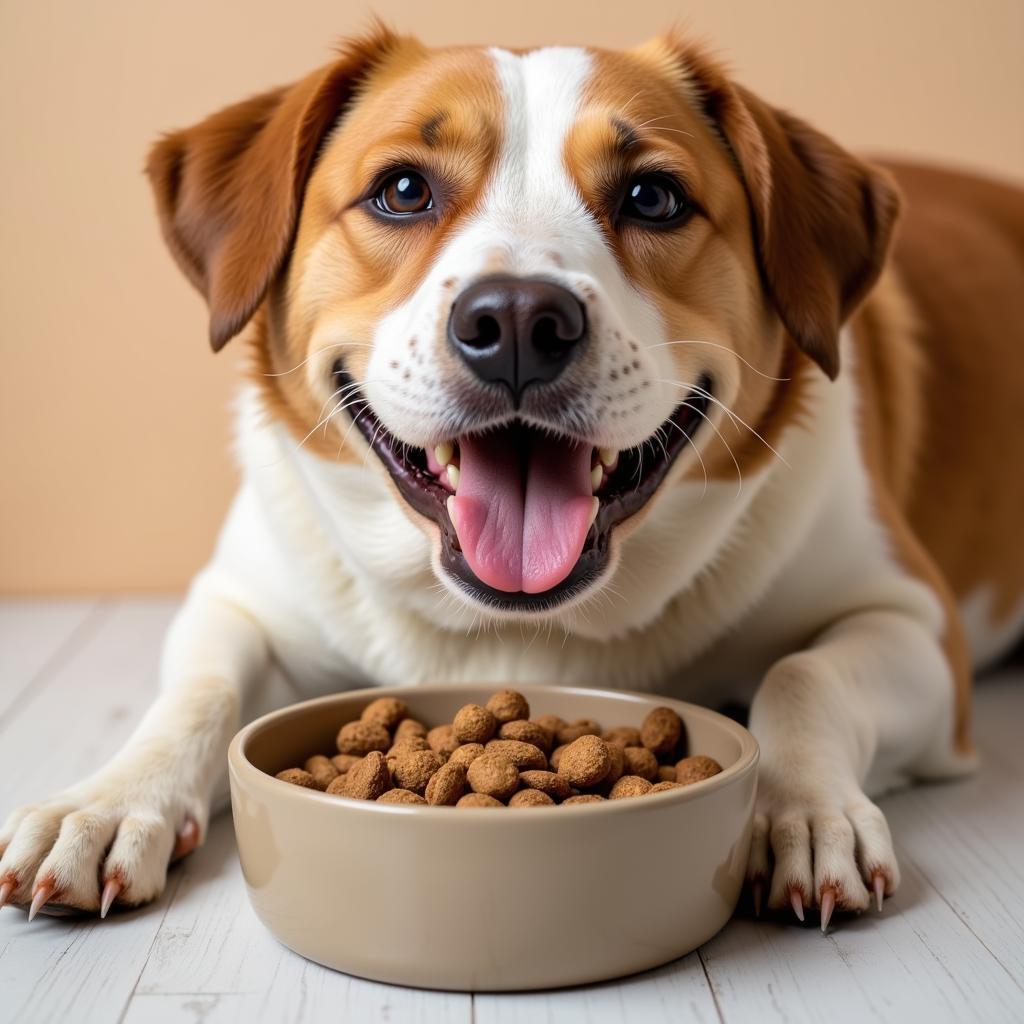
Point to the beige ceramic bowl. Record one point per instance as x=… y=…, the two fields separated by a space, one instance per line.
x=490 y=900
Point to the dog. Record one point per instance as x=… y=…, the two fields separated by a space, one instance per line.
x=585 y=367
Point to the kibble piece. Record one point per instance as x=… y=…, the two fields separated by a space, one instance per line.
x=400 y=796
x=410 y=727
x=623 y=736
x=337 y=786
x=298 y=777
x=474 y=724
x=531 y=798
x=386 y=711
x=618 y=764
x=640 y=761
x=667 y=772
x=527 y=732
x=555 y=758
x=546 y=782
x=466 y=754
x=443 y=741
x=664 y=787
x=629 y=785
x=696 y=768
x=478 y=800
x=508 y=705
x=345 y=761
x=574 y=730
x=407 y=745
x=368 y=779
x=362 y=737
x=661 y=731
x=524 y=756
x=585 y=761
x=493 y=775
x=322 y=770
x=584 y=798
x=550 y=722
x=413 y=770
x=446 y=785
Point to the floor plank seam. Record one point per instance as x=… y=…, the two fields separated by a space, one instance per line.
x=71 y=645
x=711 y=985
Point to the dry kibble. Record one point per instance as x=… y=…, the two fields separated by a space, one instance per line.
x=298 y=777
x=410 y=727
x=585 y=761
x=443 y=741
x=337 y=786
x=361 y=737
x=407 y=745
x=661 y=731
x=527 y=732
x=667 y=772
x=618 y=764
x=413 y=770
x=531 y=798
x=696 y=768
x=345 y=761
x=400 y=796
x=478 y=800
x=630 y=785
x=523 y=755
x=550 y=722
x=493 y=775
x=574 y=730
x=474 y=724
x=640 y=761
x=508 y=705
x=555 y=758
x=584 y=798
x=546 y=782
x=368 y=779
x=446 y=785
x=386 y=711
x=466 y=754
x=322 y=770
x=623 y=736
x=664 y=787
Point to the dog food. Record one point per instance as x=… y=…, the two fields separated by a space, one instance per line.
x=496 y=755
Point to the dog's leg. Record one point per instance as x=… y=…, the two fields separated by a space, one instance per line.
x=111 y=835
x=867 y=704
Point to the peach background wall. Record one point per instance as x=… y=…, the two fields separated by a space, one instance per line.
x=114 y=463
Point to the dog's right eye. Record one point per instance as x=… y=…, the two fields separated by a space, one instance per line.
x=404 y=193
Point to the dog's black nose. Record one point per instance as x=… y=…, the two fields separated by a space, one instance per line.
x=517 y=331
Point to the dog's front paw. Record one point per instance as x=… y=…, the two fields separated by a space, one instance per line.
x=820 y=850
x=109 y=838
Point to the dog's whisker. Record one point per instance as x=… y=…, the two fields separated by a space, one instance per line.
x=735 y=461
x=696 y=451
x=724 y=348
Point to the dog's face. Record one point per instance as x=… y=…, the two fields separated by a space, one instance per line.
x=547 y=289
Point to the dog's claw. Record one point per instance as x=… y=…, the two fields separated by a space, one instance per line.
x=186 y=840
x=111 y=890
x=828 y=904
x=5 y=893
x=878 y=884
x=42 y=895
x=757 y=894
x=796 y=901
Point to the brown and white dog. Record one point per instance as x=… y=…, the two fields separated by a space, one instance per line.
x=586 y=367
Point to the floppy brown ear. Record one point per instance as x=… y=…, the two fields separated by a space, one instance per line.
x=823 y=219
x=229 y=189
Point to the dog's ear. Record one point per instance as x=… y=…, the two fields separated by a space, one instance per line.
x=229 y=189
x=823 y=219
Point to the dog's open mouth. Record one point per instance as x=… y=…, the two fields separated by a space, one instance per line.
x=526 y=516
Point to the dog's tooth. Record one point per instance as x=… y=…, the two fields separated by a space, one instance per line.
x=453 y=476
x=607 y=455
x=444 y=452
x=596 y=476
x=111 y=890
x=594 y=509
x=450 y=505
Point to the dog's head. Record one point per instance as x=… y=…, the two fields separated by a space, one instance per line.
x=546 y=288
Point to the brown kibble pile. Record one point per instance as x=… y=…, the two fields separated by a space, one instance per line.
x=496 y=755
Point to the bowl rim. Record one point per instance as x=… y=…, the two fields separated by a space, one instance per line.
x=239 y=762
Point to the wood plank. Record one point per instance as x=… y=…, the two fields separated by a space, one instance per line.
x=34 y=635
x=58 y=970
x=213 y=960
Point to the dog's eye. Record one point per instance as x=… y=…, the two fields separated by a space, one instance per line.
x=404 y=193
x=654 y=199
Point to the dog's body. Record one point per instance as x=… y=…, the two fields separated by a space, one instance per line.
x=812 y=548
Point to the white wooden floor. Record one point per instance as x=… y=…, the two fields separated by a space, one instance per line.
x=74 y=677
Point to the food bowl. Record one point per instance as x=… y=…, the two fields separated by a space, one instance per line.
x=490 y=900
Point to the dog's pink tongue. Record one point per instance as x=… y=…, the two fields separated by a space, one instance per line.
x=522 y=531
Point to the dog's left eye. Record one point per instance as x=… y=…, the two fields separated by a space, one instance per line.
x=404 y=193
x=654 y=199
